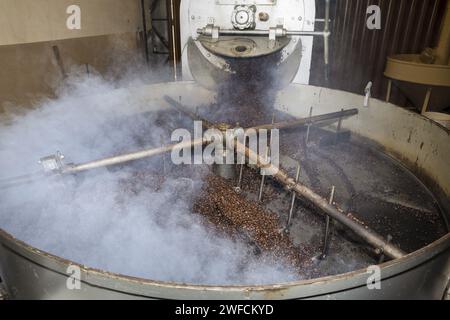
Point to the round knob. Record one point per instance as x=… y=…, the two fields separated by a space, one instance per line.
x=243 y=17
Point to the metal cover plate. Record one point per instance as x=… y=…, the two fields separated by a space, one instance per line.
x=230 y=46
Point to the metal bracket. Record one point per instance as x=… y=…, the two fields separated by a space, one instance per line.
x=210 y=30
x=368 y=93
x=53 y=163
x=275 y=33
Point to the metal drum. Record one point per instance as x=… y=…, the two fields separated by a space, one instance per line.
x=418 y=143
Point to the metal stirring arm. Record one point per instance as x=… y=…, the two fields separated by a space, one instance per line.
x=331 y=210
x=55 y=163
x=370 y=236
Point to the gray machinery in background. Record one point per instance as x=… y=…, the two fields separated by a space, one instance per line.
x=215 y=32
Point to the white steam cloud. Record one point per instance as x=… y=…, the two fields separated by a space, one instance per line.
x=91 y=219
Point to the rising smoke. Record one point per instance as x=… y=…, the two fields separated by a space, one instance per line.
x=94 y=218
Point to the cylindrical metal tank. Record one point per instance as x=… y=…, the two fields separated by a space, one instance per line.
x=420 y=144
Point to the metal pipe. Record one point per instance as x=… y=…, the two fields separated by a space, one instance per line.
x=426 y=102
x=389 y=91
x=294 y=197
x=371 y=237
x=321 y=20
x=232 y=32
x=124 y=158
x=261 y=187
x=382 y=257
x=280 y=125
x=308 y=33
x=368 y=93
x=326 y=38
x=238 y=188
x=174 y=40
x=308 y=131
x=309 y=120
x=59 y=61
x=153 y=152
x=327 y=228
x=163 y=157
x=263 y=178
x=131 y=156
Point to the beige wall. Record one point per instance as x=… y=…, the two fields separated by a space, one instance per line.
x=26 y=21
x=30 y=29
x=29 y=72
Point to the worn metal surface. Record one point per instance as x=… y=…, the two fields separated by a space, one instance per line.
x=421 y=144
x=237 y=46
x=331 y=210
x=30 y=274
x=293 y=15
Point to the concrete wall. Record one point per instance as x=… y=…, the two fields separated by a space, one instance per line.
x=37 y=50
x=32 y=71
x=26 y=21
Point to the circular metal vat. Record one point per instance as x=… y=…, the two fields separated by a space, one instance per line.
x=420 y=144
